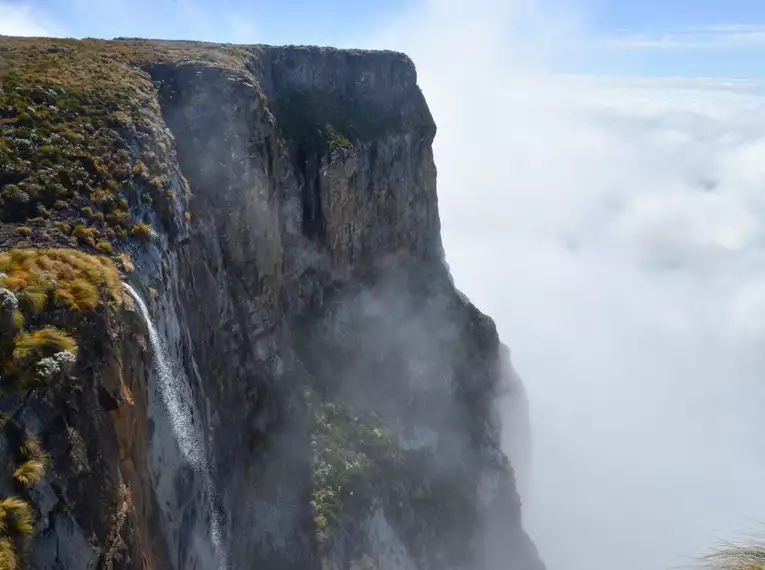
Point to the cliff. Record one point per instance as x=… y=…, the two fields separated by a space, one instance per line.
x=304 y=387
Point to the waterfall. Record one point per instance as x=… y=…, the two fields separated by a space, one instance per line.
x=178 y=400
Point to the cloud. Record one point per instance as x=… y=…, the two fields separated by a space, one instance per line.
x=719 y=36
x=20 y=20
x=229 y=20
x=615 y=229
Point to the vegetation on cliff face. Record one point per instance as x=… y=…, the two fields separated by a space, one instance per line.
x=84 y=159
x=46 y=294
x=81 y=139
x=17 y=519
x=351 y=453
x=736 y=557
x=317 y=121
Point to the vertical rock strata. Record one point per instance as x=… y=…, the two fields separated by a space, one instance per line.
x=342 y=390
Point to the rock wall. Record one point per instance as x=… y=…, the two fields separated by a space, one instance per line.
x=344 y=390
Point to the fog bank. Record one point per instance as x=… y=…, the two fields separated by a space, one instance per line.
x=614 y=228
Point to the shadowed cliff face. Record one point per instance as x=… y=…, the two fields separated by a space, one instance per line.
x=346 y=391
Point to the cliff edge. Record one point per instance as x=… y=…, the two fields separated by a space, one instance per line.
x=291 y=380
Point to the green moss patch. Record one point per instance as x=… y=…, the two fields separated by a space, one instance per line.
x=318 y=121
x=351 y=453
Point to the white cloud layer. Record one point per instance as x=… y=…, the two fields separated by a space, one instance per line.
x=615 y=229
x=20 y=20
x=722 y=36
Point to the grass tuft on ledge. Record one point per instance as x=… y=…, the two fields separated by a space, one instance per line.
x=69 y=277
x=733 y=556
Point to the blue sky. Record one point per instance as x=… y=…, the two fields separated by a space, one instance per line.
x=562 y=200
x=668 y=15
x=615 y=37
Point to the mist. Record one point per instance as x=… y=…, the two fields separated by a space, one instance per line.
x=613 y=228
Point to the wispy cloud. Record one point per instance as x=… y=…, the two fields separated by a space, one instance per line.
x=21 y=20
x=615 y=229
x=718 y=36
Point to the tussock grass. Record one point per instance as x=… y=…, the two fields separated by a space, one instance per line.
x=44 y=342
x=32 y=449
x=104 y=245
x=33 y=298
x=142 y=231
x=125 y=262
x=80 y=294
x=8 y=558
x=18 y=320
x=30 y=472
x=85 y=102
x=75 y=278
x=730 y=556
x=16 y=516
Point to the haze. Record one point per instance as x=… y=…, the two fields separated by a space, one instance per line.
x=611 y=225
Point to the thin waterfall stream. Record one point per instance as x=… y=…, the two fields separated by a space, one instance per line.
x=178 y=400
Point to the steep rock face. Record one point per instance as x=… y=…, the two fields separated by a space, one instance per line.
x=339 y=390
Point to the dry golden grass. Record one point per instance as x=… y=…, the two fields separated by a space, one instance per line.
x=85 y=235
x=31 y=448
x=104 y=245
x=125 y=262
x=25 y=231
x=142 y=231
x=30 y=472
x=44 y=342
x=33 y=299
x=79 y=64
x=78 y=280
x=16 y=516
x=85 y=101
x=732 y=556
x=18 y=320
x=8 y=558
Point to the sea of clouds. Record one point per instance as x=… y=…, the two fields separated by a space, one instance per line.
x=614 y=227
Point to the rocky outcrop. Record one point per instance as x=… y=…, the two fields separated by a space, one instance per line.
x=343 y=391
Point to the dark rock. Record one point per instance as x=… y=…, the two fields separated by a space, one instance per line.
x=326 y=399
